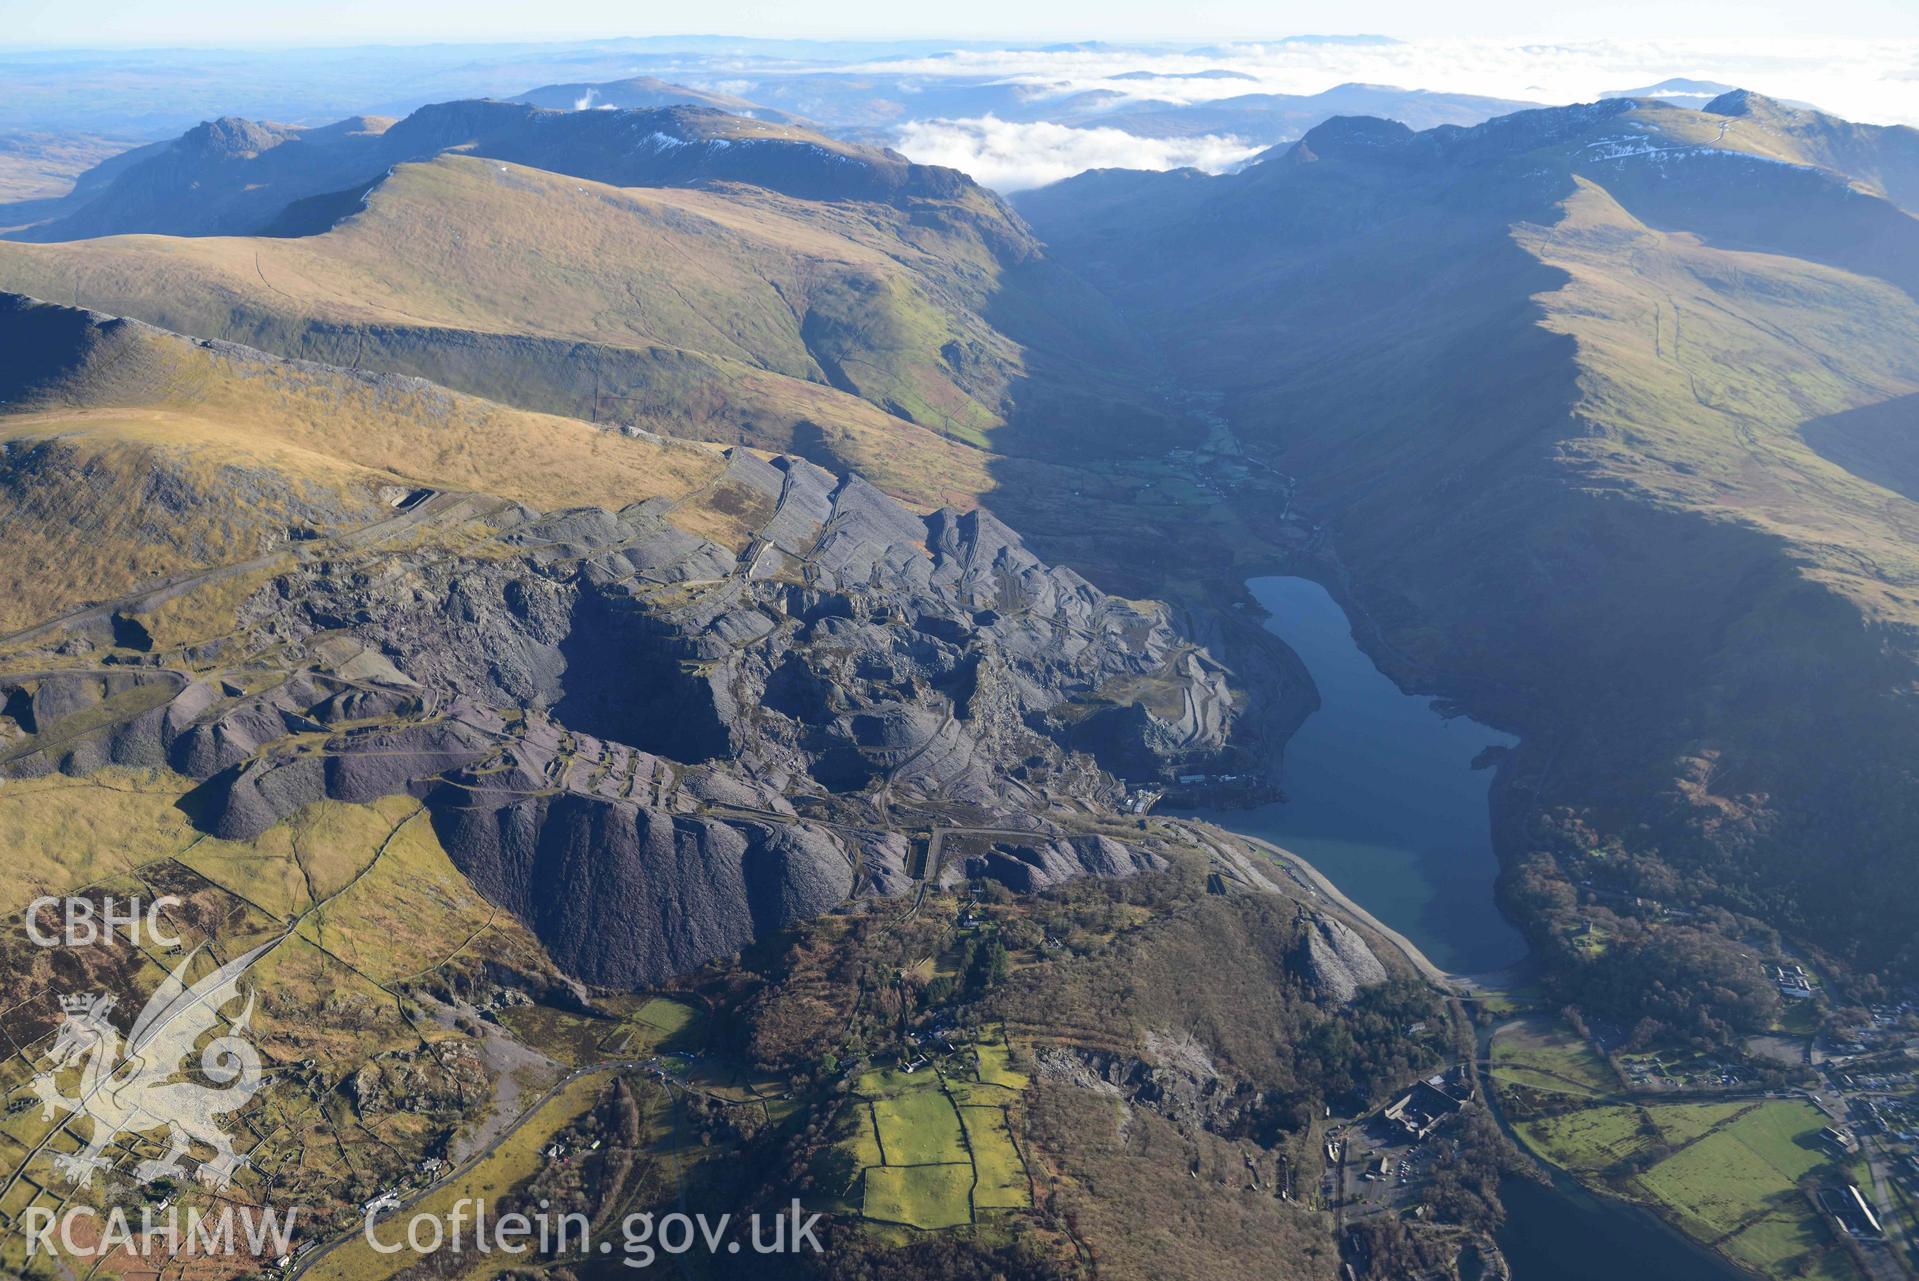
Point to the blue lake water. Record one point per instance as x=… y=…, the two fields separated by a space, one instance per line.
x=1383 y=799
x=1381 y=793
x=1564 y=1233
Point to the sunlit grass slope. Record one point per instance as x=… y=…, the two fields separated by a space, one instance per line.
x=727 y=315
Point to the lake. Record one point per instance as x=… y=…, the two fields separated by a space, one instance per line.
x=1564 y=1233
x=1383 y=799
x=1381 y=793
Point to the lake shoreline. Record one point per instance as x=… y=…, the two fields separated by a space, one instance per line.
x=1392 y=788
x=1388 y=794
x=1316 y=882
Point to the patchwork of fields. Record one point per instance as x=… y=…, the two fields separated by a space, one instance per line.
x=1730 y=1173
x=934 y=1146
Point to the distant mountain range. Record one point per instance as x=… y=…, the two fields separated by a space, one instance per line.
x=1677 y=91
x=234 y=176
x=869 y=104
x=1269 y=118
x=644 y=93
x=1682 y=92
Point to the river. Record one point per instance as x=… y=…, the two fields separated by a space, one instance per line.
x=1383 y=799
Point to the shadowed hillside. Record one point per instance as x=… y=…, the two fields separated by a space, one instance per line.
x=1544 y=381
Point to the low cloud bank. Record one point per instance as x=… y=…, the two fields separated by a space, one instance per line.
x=1009 y=156
x=1865 y=80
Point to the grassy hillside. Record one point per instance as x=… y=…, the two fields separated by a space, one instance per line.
x=736 y=316
x=401 y=428
x=43 y=166
x=81 y=493
x=339 y=993
x=1882 y=158
x=238 y=176
x=173 y=455
x=1702 y=364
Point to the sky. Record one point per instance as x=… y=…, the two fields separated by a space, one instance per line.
x=1872 y=80
x=1856 y=58
x=254 y=22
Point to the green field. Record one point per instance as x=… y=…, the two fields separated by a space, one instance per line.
x=639 y=1026
x=1738 y=1188
x=1588 y=1140
x=1801 y=1245
x=1728 y=1173
x=668 y=1018
x=1799 y=1018
x=996 y=1067
x=885 y=1082
x=1681 y=1123
x=1544 y=1054
x=935 y=1146
x=921 y=1196
x=1002 y=1175
x=866 y=1140
x=1716 y=1186
x=919 y=1128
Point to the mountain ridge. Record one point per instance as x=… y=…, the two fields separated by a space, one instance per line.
x=234 y=176
x=898 y=338
x=645 y=92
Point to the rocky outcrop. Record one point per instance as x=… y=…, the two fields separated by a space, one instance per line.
x=1338 y=960
x=1176 y=1078
x=1028 y=867
x=655 y=746
x=626 y=895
